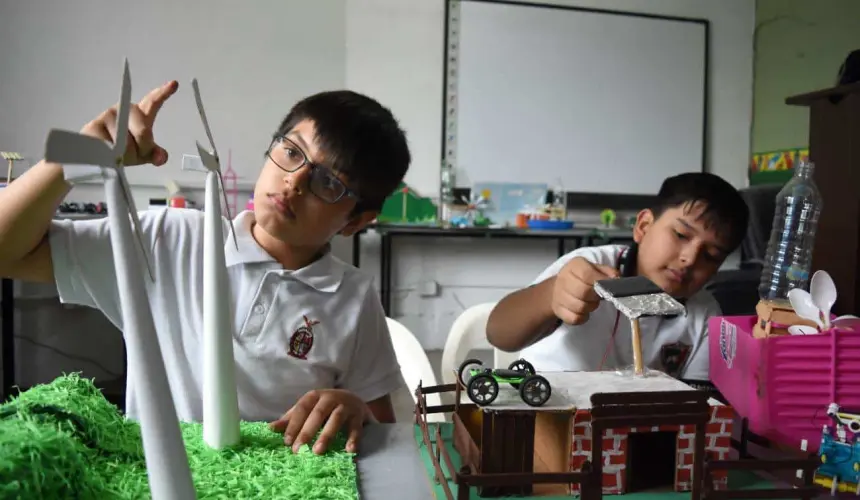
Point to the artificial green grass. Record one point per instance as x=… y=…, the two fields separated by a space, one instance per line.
x=65 y=440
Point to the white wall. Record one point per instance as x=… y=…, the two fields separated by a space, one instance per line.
x=395 y=53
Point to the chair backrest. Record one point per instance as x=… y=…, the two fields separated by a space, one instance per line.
x=468 y=332
x=414 y=364
x=761 y=200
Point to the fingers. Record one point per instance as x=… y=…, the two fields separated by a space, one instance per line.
x=335 y=421
x=293 y=421
x=314 y=422
x=608 y=271
x=588 y=273
x=151 y=104
x=572 y=309
x=354 y=433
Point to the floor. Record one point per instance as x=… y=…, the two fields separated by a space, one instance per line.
x=402 y=399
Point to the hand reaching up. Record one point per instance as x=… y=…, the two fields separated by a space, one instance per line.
x=141 y=146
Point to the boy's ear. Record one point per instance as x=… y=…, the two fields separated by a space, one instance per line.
x=644 y=221
x=358 y=222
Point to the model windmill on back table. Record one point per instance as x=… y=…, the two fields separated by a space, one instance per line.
x=166 y=459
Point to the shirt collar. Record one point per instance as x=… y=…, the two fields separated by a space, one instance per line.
x=324 y=274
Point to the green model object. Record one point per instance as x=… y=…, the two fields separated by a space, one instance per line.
x=607 y=217
x=482 y=384
x=406 y=206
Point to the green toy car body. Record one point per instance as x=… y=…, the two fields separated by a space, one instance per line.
x=482 y=384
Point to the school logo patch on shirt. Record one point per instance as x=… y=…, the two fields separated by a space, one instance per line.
x=673 y=356
x=303 y=339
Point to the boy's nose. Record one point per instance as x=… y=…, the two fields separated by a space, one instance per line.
x=298 y=180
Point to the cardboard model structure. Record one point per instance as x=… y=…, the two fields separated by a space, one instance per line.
x=650 y=432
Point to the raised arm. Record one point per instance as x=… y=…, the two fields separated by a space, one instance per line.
x=28 y=205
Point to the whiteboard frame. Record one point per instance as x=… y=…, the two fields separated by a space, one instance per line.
x=451 y=61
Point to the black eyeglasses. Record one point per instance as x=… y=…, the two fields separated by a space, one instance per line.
x=323 y=182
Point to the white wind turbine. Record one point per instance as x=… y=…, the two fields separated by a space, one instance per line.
x=166 y=459
x=220 y=399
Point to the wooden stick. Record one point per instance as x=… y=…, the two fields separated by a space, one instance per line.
x=638 y=367
x=9 y=172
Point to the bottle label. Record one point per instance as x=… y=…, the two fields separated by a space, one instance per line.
x=796 y=273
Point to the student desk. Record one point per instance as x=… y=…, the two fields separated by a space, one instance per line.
x=585 y=236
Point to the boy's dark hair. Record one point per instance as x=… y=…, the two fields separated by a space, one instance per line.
x=360 y=139
x=724 y=208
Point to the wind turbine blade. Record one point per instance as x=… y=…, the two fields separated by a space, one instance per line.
x=202 y=112
x=122 y=116
x=135 y=220
x=208 y=160
x=72 y=148
x=227 y=208
x=211 y=163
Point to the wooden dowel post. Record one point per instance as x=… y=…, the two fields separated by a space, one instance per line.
x=638 y=366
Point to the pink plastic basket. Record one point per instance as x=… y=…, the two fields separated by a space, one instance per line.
x=783 y=384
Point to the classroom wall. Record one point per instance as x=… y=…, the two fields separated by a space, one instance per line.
x=395 y=53
x=800 y=45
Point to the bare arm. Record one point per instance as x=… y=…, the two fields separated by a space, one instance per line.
x=26 y=209
x=28 y=204
x=522 y=317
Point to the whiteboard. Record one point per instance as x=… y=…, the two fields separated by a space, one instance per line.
x=61 y=65
x=600 y=102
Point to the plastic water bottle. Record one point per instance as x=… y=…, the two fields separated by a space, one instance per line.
x=789 y=252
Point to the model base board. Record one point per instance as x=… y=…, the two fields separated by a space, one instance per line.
x=65 y=440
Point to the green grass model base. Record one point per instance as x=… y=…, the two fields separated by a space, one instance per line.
x=482 y=384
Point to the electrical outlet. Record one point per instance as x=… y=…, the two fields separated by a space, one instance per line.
x=430 y=289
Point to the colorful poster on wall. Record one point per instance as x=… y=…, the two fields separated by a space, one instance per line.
x=775 y=167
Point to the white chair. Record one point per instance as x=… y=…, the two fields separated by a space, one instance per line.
x=414 y=365
x=469 y=332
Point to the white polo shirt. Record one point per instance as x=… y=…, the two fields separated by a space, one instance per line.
x=677 y=346
x=319 y=327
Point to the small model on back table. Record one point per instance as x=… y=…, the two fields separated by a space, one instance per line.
x=482 y=384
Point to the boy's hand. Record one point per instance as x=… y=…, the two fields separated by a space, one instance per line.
x=573 y=295
x=140 y=147
x=329 y=409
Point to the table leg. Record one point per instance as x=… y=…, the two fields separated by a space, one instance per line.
x=356 y=249
x=7 y=349
x=385 y=273
x=561 y=251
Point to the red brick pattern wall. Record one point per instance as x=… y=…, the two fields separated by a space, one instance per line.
x=717 y=443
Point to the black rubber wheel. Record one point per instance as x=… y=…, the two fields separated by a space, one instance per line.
x=521 y=366
x=535 y=390
x=483 y=389
x=463 y=371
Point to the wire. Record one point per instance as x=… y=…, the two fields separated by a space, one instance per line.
x=71 y=356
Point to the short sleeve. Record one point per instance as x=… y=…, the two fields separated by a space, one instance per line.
x=82 y=258
x=698 y=366
x=373 y=371
x=603 y=255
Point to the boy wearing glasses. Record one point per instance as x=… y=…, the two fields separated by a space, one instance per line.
x=310 y=334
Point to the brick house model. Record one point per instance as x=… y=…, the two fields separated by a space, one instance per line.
x=632 y=456
x=617 y=444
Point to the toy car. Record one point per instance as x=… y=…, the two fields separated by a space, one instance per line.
x=482 y=384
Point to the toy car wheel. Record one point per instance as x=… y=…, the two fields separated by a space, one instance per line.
x=464 y=372
x=521 y=366
x=535 y=390
x=483 y=389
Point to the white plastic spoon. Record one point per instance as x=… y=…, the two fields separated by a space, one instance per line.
x=801 y=330
x=802 y=303
x=823 y=292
